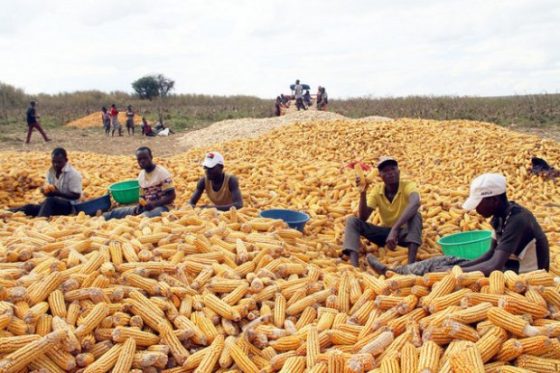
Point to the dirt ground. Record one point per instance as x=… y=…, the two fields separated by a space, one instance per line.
x=94 y=140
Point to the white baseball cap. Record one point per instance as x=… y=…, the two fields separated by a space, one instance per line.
x=386 y=159
x=486 y=185
x=212 y=159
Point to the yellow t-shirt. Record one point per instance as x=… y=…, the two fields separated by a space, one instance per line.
x=389 y=212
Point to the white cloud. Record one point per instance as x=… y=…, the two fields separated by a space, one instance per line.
x=259 y=47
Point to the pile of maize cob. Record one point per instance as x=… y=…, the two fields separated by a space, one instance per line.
x=195 y=290
x=94 y=120
x=198 y=290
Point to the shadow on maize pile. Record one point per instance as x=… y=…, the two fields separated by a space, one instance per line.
x=198 y=289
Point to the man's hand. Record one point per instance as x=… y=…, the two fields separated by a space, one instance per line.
x=362 y=188
x=49 y=190
x=392 y=239
x=149 y=206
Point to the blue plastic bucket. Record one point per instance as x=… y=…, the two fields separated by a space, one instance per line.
x=294 y=219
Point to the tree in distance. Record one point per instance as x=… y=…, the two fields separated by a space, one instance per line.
x=153 y=86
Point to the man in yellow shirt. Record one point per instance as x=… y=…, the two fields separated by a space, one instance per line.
x=398 y=202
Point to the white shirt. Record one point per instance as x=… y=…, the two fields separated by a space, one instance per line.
x=298 y=90
x=69 y=181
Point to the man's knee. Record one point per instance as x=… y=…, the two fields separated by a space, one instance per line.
x=414 y=230
x=354 y=223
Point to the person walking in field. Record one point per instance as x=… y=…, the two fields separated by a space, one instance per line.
x=115 y=121
x=106 y=119
x=33 y=122
x=129 y=120
x=519 y=243
x=222 y=189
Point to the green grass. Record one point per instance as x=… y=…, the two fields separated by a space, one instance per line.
x=539 y=111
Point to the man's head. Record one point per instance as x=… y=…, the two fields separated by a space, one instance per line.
x=113 y=105
x=488 y=192
x=129 y=107
x=59 y=158
x=144 y=158
x=297 y=81
x=32 y=103
x=213 y=165
x=388 y=170
x=104 y=109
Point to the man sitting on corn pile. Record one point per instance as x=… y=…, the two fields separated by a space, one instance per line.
x=221 y=188
x=157 y=190
x=519 y=242
x=63 y=189
x=398 y=202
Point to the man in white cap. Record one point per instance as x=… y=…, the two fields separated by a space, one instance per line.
x=221 y=188
x=519 y=242
x=398 y=202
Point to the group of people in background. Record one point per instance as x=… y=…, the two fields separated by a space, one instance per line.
x=303 y=99
x=111 y=124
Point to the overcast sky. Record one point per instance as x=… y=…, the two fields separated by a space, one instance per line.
x=354 y=48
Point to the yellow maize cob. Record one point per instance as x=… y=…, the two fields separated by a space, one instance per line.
x=511 y=323
x=430 y=353
x=242 y=360
x=409 y=358
x=510 y=350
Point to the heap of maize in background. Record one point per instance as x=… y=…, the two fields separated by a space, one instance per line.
x=199 y=290
x=94 y=120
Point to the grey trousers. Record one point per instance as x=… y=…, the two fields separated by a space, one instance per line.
x=435 y=264
x=411 y=232
x=122 y=212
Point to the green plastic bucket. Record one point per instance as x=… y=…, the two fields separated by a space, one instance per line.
x=468 y=245
x=125 y=192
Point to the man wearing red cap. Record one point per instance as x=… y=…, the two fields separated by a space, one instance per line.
x=222 y=189
x=398 y=202
x=519 y=243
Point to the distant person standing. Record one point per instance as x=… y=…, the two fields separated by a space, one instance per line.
x=278 y=106
x=129 y=120
x=318 y=96
x=115 y=120
x=322 y=99
x=307 y=98
x=298 y=93
x=106 y=118
x=33 y=122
